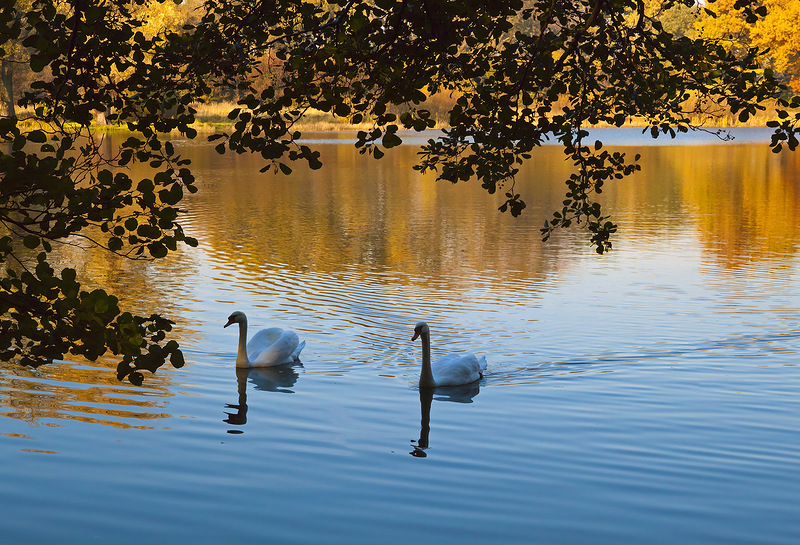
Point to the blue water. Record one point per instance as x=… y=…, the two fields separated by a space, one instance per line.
x=647 y=396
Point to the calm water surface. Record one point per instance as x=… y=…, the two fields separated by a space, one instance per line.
x=647 y=396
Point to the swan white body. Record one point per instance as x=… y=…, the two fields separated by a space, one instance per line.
x=268 y=347
x=449 y=370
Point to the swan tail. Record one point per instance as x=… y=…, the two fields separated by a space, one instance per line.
x=296 y=353
x=482 y=365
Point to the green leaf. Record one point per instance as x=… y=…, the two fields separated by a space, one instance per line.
x=37 y=136
x=68 y=275
x=176 y=359
x=101 y=304
x=171 y=196
x=391 y=140
x=31 y=241
x=136 y=378
x=145 y=186
x=19 y=143
x=38 y=62
x=148 y=231
x=115 y=244
x=157 y=249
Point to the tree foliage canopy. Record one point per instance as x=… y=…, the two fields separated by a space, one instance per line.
x=777 y=33
x=518 y=73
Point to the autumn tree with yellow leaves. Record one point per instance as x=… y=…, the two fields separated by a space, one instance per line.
x=778 y=32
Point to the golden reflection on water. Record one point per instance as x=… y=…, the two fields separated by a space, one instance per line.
x=743 y=201
x=358 y=218
x=747 y=204
x=358 y=212
x=86 y=393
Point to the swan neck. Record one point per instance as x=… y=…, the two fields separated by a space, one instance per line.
x=241 y=355
x=426 y=376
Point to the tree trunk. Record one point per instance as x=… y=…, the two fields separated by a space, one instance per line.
x=101 y=117
x=7 y=89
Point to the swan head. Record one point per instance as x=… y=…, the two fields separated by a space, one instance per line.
x=420 y=329
x=237 y=317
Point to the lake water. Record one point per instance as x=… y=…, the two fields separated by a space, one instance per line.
x=648 y=396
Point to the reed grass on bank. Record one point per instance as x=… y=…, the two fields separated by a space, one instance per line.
x=216 y=115
x=212 y=117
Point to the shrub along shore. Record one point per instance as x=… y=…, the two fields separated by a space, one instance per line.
x=214 y=116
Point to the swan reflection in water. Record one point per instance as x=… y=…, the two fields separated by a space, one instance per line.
x=457 y=394
x=280 y=378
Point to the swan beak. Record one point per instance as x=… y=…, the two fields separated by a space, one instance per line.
x=416 y=334
x=230 y=321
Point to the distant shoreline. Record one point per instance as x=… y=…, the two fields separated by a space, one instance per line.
x=611 y=136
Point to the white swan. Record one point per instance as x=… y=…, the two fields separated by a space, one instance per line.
x=449 y=370
x=268 y=347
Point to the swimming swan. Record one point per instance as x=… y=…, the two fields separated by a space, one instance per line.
x=449 y=370
x=268 y=347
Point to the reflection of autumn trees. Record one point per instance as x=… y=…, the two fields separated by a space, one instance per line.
x=382 y=214
x=358 y=211
x=90 y=391
x=141 y=284
x=743 y=200
x=746 y=200
x=87 y=393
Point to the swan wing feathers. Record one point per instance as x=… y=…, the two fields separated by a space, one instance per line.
x=273 y=346
x=263 y=339
x=454 y=369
